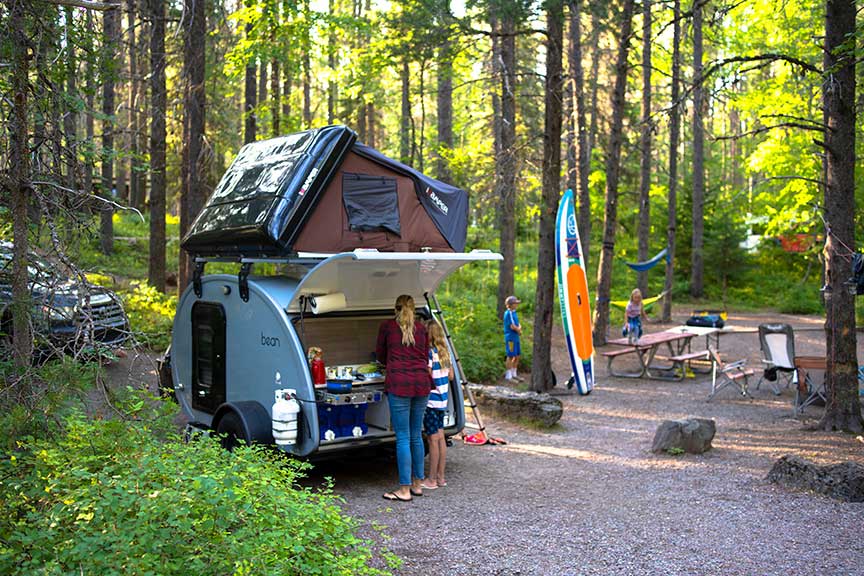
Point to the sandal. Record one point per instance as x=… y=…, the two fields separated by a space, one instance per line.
x=417 y=493
x=428 y=487
x=394 y=496
x=442 y=483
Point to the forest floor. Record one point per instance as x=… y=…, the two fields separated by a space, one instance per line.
x=589 y=498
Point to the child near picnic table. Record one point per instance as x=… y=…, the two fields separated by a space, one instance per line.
x=633 y=315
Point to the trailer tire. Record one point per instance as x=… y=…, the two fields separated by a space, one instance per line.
x=243 y=422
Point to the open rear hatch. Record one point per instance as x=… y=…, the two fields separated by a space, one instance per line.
x=372 y=280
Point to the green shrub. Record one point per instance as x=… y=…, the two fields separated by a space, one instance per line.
x=109 y=498
x=151 y=314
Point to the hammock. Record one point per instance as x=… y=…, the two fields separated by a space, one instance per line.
x=648 y=264
x=646 y=302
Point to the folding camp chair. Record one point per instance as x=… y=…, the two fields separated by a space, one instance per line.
x=725 y=373
x=777 y=342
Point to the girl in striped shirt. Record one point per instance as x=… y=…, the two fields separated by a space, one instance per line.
x=433 y=420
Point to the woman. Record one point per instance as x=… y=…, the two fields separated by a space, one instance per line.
x=403 y=347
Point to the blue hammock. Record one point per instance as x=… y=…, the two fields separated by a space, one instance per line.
x=648 y=264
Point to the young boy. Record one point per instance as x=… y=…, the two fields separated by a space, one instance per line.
x=512 y=346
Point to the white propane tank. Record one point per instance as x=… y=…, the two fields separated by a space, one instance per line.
x=285 y=417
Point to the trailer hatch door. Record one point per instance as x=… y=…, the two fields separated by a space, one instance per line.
x=370 y=280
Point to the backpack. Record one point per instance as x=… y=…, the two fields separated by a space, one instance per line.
x=706 y=321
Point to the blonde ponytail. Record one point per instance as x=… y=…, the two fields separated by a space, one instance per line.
x=437 y=340
x=405 y=318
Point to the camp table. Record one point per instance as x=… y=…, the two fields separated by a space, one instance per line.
x=707 y=331
x=809 y=392
x=677 y=343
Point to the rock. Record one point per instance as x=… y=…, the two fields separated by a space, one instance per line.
x=693 y=435
x=843 y=481
x=539 y=408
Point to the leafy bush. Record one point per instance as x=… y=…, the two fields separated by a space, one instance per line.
x=109 y=498
x=151 y=314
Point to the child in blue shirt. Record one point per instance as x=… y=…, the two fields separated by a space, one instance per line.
x=512 y=342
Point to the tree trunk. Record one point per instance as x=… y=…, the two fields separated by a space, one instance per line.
x=544 y=306
x=596 y=8
x=506 y=160
x=250 y=94
x=405 y=120
x=135 y=199
x=19 y=173
x=70 y=120
x=158 y=105
x=262 y=92
x=674 y=136
x=581 y=155
x=696 y=263
x=107 y=187
x=287 y=87
x=445 y=99
x=276 y=89
x=613 y=172
x=331 y=64
x=307 y=72
x=196 y=156
x=843 y=407
x=90 y=106
x=645 y=148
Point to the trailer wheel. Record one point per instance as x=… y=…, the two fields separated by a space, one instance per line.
x=243 y=422
x=231 y=431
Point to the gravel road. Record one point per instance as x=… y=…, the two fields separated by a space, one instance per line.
x=589 y=498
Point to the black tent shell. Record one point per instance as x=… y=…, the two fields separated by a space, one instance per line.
x=273 y=186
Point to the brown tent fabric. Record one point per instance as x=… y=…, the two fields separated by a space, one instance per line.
x=328 y=230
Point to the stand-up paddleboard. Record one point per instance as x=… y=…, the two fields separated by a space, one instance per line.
x=573 y=294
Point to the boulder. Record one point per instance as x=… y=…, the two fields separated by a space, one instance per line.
x=692 y=435
x=843 y=481
x=538 y=408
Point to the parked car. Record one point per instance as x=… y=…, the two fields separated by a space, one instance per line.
x=68 y=315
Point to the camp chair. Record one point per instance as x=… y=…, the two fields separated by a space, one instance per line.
x=725 y=373
x=777 y=342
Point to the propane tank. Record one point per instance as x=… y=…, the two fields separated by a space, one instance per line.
x=286 y=412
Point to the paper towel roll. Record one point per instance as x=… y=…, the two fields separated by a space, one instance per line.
x=322 y=304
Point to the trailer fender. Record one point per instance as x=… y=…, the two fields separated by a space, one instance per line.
x=254 y=421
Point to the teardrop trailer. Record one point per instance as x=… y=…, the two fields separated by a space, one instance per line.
x=238 y=358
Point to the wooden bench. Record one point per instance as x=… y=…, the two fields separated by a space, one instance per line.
x=612 y=354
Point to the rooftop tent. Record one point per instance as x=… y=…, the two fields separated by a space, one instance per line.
x=319 y=191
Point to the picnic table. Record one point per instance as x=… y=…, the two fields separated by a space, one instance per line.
x=707 y=331
x=677 y=344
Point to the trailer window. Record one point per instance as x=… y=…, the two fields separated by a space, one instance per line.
x=208 y=356
x=371 y=202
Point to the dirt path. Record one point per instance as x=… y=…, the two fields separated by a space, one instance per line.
x=590 y=498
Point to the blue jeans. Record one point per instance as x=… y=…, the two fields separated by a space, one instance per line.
x=406 y=418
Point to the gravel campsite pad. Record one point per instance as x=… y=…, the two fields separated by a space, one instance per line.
x=588 y=497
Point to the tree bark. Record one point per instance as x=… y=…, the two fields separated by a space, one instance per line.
x=196 y=157
x=581 y=154
x=331 y=64
x=19 y=173
x=696 y=258
x=250 y=94
x=544 y=306
x=90 y=107
x=158 y=105
x=108 y=187
x=596 y=8
x=445 y=98
x=613 y=172
x=70 y=120
x=506 y=160
x=134 y=173
x=307 y=72
x=276 y=90
x=674 y=136
x=645 y=149
x=405 y=119
x=843 y=407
